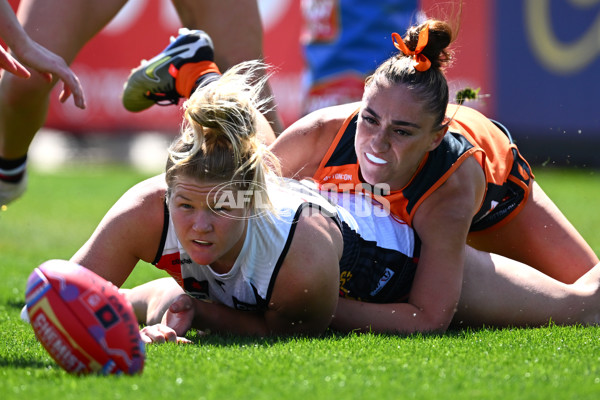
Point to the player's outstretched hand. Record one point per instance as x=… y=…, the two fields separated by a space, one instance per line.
x=180 y=315
x=176 y=321
x=50 y=65
x=160 y=333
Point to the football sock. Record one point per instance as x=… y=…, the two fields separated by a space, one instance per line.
x=12 y=170
x=192 y=75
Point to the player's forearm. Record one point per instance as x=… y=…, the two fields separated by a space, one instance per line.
x=352 y=315
x=221 y=319
x=11 y=30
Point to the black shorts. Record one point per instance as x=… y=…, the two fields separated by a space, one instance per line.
x=374 y=274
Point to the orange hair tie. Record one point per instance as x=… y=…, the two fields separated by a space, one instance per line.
x=420 y=62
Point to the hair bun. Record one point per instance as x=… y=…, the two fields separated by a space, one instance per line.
x=439 y=37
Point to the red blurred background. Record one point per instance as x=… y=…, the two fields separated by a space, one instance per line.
x=536 y=61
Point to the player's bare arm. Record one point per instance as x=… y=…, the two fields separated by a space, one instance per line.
x=303 y=145
x=128 y=233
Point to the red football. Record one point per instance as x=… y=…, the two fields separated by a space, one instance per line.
x=83 y=321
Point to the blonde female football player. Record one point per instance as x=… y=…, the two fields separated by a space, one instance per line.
x=259 y=253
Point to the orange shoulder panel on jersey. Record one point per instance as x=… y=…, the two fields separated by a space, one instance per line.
x=508 y=175
x=483 y=133
x=339 y=165
x=430 y=175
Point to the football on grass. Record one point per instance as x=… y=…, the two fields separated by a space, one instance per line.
x=82 y=320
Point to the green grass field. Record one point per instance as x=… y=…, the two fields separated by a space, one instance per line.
x=58 y=214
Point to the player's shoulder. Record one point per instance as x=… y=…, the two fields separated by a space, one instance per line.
x=335 y=115
x=324 y=119
x=318 y=128
x=303 y=144
x=465 y=115
x=147 y=191
x=317 y=231
x=306 y=284
x=143 y=202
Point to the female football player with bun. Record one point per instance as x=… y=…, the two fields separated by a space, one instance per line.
x=453 y=175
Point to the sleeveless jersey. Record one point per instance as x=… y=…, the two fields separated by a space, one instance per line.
x=470 y=134
x=380 y=253
x=378 y=261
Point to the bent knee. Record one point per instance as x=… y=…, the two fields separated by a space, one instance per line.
x=18 y=92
